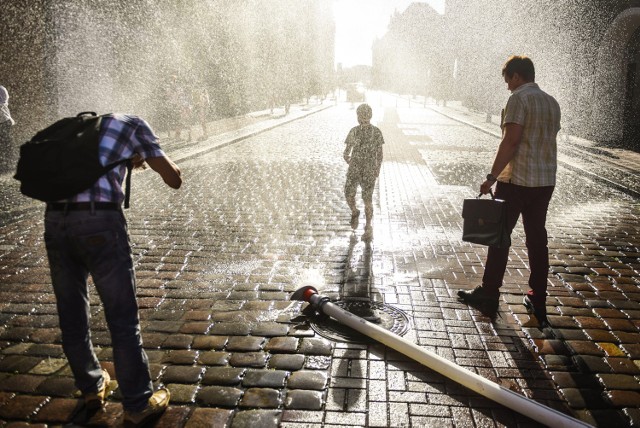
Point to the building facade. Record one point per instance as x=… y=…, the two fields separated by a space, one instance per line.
x=60 y=57
x=586 y=54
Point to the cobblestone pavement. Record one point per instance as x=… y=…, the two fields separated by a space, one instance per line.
x=218 y=260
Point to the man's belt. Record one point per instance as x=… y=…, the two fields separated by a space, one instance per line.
x=82 y=206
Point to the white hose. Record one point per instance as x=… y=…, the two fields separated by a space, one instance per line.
x=471 y=380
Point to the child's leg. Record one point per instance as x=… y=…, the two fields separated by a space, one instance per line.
x=368 y=212
x=367 y=198
x=350 y=189
x=351 y=201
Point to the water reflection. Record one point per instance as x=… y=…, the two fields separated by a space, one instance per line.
x=358 y=277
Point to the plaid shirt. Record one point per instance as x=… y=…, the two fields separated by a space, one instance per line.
x=120 y=137
x=535 y=161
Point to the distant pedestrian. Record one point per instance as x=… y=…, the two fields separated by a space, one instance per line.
x=171 y=105
x=203 y=107
x=6 y=122
x=87 y=235
x=181 y=109
x=185 y=111
x=524 y=171
x=363 y=153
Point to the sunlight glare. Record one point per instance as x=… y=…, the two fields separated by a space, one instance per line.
x=359 y=22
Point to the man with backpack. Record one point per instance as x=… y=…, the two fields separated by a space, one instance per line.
x=86 y=234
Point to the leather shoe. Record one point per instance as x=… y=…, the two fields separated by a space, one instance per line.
x=540 y=312
x=95 y=400
x=480 y=299
x=158 y=403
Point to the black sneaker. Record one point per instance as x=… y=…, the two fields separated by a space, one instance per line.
x=480 y=299
x=540 y=312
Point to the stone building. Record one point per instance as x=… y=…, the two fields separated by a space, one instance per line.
x=586 y=54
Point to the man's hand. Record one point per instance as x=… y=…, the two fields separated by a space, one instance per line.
x=486 y=187
x=168 y=170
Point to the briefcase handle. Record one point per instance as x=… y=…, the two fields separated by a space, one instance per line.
x=490 y=192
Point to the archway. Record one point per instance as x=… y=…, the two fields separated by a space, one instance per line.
x=631 y=105
x=608 y=109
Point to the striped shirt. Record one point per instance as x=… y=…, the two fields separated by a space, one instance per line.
x=121 y=136
x=535 y=161
x=5 y=116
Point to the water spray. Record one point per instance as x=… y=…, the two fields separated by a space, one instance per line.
x=467 y=378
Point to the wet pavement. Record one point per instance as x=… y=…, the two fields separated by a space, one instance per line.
x=218 y=260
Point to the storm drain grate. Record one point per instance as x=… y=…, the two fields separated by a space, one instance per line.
x=383 y=315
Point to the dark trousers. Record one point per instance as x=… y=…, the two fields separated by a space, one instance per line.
x=532 y=203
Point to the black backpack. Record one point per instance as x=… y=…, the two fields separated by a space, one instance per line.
x=61 y=160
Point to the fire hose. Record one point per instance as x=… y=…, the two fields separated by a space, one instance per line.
x=528 y=407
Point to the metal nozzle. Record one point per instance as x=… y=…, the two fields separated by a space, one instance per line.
x=304 y=293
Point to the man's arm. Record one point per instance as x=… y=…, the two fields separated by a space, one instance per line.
x=168 y=170
x=510 y=141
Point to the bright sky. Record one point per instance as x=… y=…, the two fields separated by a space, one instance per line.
x=359 y=22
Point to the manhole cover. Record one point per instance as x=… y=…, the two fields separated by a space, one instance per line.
x=385 y=316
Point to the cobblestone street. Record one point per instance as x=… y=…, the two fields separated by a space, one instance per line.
x=262 y=210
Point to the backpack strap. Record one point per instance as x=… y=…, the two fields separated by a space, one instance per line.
x=127 y=186
x=127 y=190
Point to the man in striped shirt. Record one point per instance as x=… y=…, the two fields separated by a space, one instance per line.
x=87 y=235
x=6 y=122
x=524 y=171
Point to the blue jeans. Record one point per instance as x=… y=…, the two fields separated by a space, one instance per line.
x=80 y=243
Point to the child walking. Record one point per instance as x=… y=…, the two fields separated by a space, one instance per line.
x=363 y=153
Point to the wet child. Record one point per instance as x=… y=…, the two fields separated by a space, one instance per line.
x=363 y=153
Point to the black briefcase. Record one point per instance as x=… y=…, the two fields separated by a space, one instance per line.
x=485 y=222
